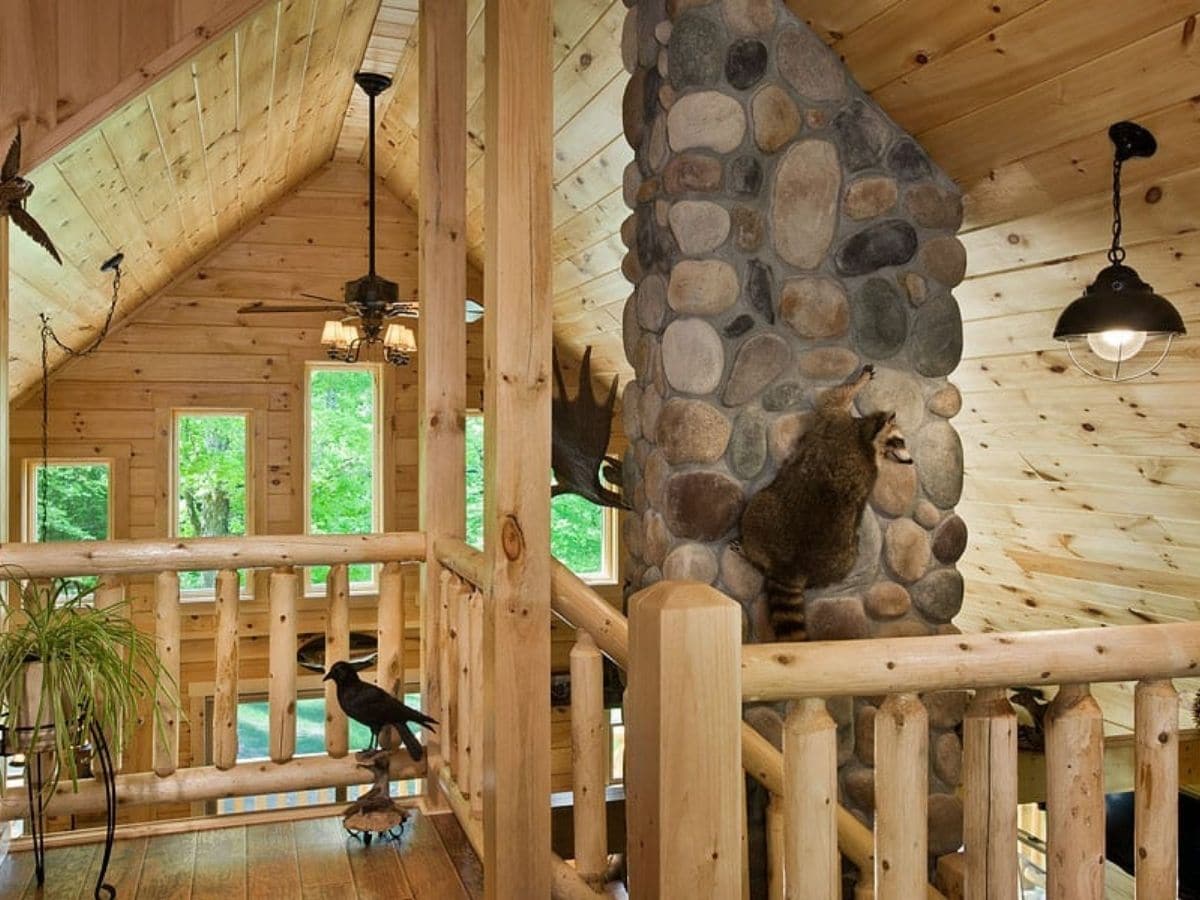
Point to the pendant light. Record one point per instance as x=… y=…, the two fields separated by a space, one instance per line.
x=1120 y=329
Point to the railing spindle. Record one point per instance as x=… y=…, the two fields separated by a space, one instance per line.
x=1075 y=795
x=225 y=690
x=460 y=684
x=475 y=746
x=776 y=852
x=588 y=758
x=990 y=818
x=110 y=592
x=447 y=675
x=166 y=633
x=1156 y=794
x=810 y=799
x=337 y=649
x=281 y=692
x=901 y=798
x=390 y=668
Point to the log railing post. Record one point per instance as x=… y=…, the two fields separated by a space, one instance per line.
x=447 y=676
x=587 y=760
x=281 y=676
x=777 y=850
x=337 y=649
x=475 y=715
x=225 y=688
x=901 y=798
x=460 y=601
x=1156 y=790
x=390 y=624
x=810 y=802
x=990 y=816
x=166 y=633
x=1075 y=795
x=110 y=592
x=684 y=780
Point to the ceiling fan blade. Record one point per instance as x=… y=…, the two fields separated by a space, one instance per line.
x=474 y=310
x=319 y=297
x=263 y=308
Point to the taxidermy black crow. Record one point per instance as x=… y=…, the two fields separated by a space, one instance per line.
x=14 y=190
x=374 y=707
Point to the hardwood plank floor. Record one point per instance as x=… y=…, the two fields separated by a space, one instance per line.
x=307 y=860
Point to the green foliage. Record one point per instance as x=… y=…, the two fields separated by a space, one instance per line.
x=76 y=501
x=211 y=457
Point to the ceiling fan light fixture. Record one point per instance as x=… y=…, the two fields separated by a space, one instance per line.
x=331 y=333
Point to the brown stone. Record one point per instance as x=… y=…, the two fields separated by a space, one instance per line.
x=759 y=360
x=691 y=431
x=662 y=32
x=894 y=391
x=629 y=230
x=690 y=562
x=749 y=16
x=652 y=302
x=741 y=580
x=947 y=758
x=887 y=600
x=667 y=95
x=690 y=172
x=658 y=539
x=631 y=267
x=908 y=626
x=775 y=117
x=784 y=433
x=945 y=260
x=631 y=536
x=894 y=489
x=945 y=708
x=841 y=710
x=703 y=287
x=869 y=197
x=747 y=227
x=931 y=207
x=631 y=413
x=950 y=540
x=946 y=403
x=836 y=619
x=815 y=307
x=652 y=404
x=914 y=286
x=648 y=190
x=707 y=119
x=859 y=783
x=631 y=184
x=633 y=108
x=864 y=734
x=927 y=514
x=629 y=41
x=804 y=202
x=703 y=506
x=657 y=150
x=766 y=722
x=828 y=363
x=692 y=356
x=809 y=66
x=699 y=226
x=907 y=549
x=945 y=824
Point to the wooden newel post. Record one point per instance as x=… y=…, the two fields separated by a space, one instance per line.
x=811 y=861
x=1156 y=797
x=901 y=798
x=281 y=681
x=990 y=815
x=1075 y=795
x=588 y=759
x=684 y=779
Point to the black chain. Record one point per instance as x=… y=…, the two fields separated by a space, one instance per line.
x=1116 y=253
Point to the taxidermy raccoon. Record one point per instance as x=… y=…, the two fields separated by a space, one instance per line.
x=801 y=530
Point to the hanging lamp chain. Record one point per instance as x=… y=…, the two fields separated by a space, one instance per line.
x=1116 y=253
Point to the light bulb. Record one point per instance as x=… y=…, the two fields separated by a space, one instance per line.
x=330 y=333
x=1116 y=345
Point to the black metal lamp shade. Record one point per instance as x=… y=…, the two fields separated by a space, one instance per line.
x=1118 y=300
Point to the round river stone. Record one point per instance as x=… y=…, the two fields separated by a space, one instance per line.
x=705 y=119
x=758 y=362
x=880 y=319
x=937 y=337
x=939 y=455
x=815 y=307
x=702 y=506
x=804 y=203
x=692 y=431
x=891 y=242
x=692 y=356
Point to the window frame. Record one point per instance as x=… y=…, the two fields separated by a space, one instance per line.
x=29 y=468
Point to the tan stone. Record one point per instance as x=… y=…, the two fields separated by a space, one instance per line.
x=741 y=580
x=784 y=433
x=703 y=287
x=747 y=227
x=692 y=172
x=907 y=549
x=658 y=538
x=804 y=202
x=815 y=307
x=869 y=197
x=749 y=16
x=864 y=734
x=945 y=708
x=692 y=356
x=887 y=600
x=895 y=488
x=927 y=514
x=690 y=562
x=775 y=117
x=828 y=363
x=945 y=824
x=692 y=431
x=914 y=286
x=945 y=259
x=931 y=207
x=947 y=402
x=629 y=41
x=655 y=480
x=699 y=227
x=947 y=758
x=706 y=119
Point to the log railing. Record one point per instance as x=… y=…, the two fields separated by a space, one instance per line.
x=283 y=556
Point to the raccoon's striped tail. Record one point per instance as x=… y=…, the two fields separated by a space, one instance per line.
x=786 y=605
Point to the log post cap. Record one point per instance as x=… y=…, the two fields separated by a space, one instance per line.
x=672 y=596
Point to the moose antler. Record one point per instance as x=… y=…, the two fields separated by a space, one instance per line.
x=582 y=427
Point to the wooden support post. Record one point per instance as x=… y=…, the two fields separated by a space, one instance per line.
x=5 y=327
x=517 y=340
x=684 y=780
x=776 y=830
x=810 y=802
x=281 y=677
x=337 y=649
x=475 y=714
x=460 y=684
x=1156 y=797
x=990 y=816
x=901 y=798
x=166 y=634
x=1075 y=796
x=389 y=670
x=441 y=328
x=588 y=756
x=225 y=688
x=110 y=592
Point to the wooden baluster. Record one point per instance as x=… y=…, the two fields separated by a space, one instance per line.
x=810 y=801
x=281 y=690
x=447 y=674
x=475 y=746
x=587 y=760
x=1075 y=795
x=460 y=686
x=776 y=849
x=744 y=838
x=225 y=689
x=390 y=668
x=166 y=634
x=901 y=798
x=990 y=820
x=337 y=649
x=110 y=592
x=1156 y=797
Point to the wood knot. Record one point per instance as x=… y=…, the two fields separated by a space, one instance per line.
x=512 y=539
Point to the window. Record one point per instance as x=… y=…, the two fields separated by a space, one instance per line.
x=211 y=463
x=77 y=495
x=581 y=533
x=344 y=453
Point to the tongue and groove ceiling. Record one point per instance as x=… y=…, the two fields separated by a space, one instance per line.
x=1073 y=488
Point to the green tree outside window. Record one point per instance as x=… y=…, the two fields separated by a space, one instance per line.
x=210 y=459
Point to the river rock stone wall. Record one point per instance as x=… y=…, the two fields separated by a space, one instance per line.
x=784 y=233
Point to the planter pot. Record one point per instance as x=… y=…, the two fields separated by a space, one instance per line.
x=31 y=736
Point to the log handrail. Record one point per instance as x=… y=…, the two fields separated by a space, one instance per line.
x=465 y=561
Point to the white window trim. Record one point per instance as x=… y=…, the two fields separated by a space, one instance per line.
x=30 y=465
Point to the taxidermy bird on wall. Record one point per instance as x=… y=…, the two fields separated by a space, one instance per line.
x=801 y=530
x=374 y=707
x=14 y=191
x=579 y=438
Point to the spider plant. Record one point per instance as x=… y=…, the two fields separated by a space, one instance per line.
x=95 y=668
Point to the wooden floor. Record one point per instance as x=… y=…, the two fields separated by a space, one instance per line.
x=306 y=859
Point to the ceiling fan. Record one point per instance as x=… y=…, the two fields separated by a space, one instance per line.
x=370 y=301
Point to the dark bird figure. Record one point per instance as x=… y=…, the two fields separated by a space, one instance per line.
x=14 y=191
x=374 y=707
x=579 y=439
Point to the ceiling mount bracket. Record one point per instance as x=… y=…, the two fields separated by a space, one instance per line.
x=372 y=83
x=1132 y=140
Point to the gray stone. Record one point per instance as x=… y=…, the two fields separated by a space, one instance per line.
x=926 y=514
x=887 y=600
x=939 y=457
x=631 y=183
x=629 y=41
x=945 y=708
x=804 y=203
x=880 y=322
x=760 y=286
x=745 y=63
x=694 y=54
x=908 y=161
x=704 y=287
x=741 y=580
x=706 y=119
x=745 y=176
x=859 y=784
x=758 y=362
x=783 y=434
x=652 y=575
x=690 y=172
x=775 y=117
x=767 y=722
x=893 y=390
x=739 y=326
x=828 y=363
x=698 y=225
x=652 y=404
x=836 y=619
x=946 y=403
x=657 y=472
x=652 y=302
x=950 y=540
x=631 y=536
x=657 y=542
x=657 y=148
x=749 y=16
x=944 y=260
x=662 y=32
x=947 y=758
x=931 y=207
x=815 y=307
x=690 y=562
x=895 y=488
x=692 y=356
x=945 y=824
x=869 y=197
x=891 y=242
x=748 y=228
x=650 y=13
x=691 y=431
x=631 y=413
x=652 y=244
x=748 y=445
x=782 y=396
x=863 y=135
x=939 y=595
x=809 y=66
x=703 y=506
x=937 y=337
x=907 y=549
